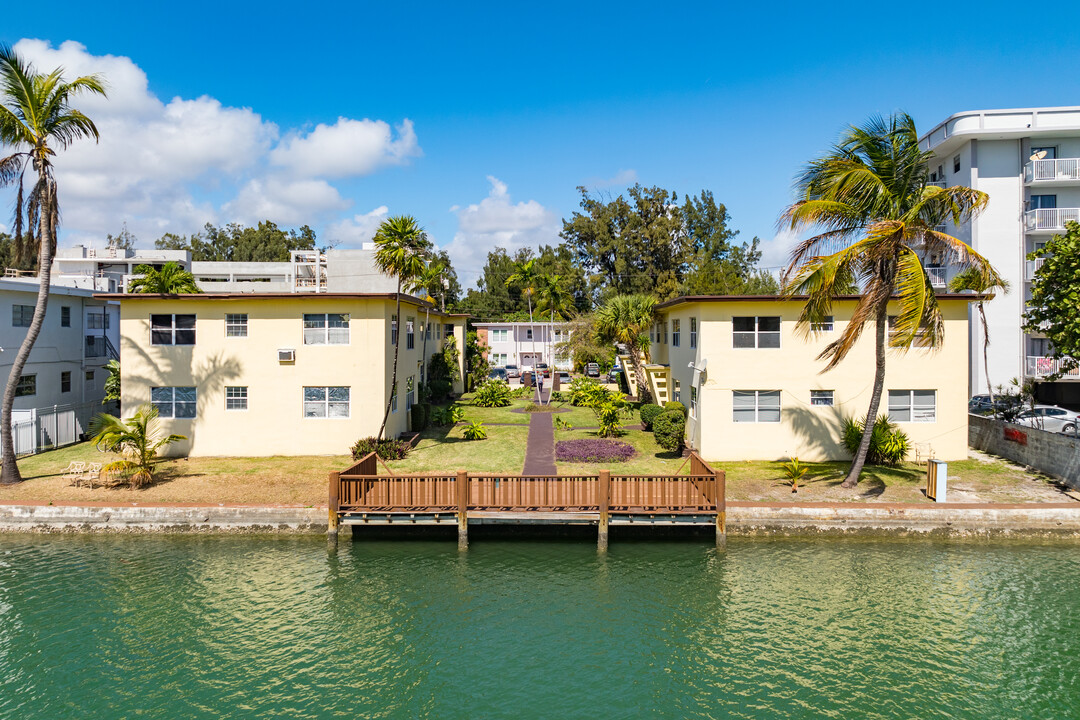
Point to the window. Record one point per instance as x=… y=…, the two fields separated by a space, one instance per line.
x=528 y=334
x=171 y=330
x=921 y=339
x=326 y=402
x=65 y=381
x=393 y=329
x=27 y=386
x=913 y=405
x=498 y=335
x=174 y=402
x=427 y=331
x=497 y=359
x=236 y=325
x=693 y=332
x=664 y=325
x=99 y=321
x=410 y=393
x=236 y=398
x=393 y=400
x=823 y=398
x=420 y=367
x=326 y=329
x=675 y=333
x=438 y=331
x=676 y=393
x=956 y=164
x=756 y=406
x=65 y=316
x=693 y=401
x=826 y=325
x=21 y=315
x=1049 y=153
x=410 y=337
x=1043 y=202
x=89 y=376
x=448 y=330
x=756 y=332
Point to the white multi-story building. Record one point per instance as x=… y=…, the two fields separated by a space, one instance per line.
x=1028 y=162
x=524 y=344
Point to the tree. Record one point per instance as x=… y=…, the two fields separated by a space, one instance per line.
x=476 y=366
x=36 y=119
x=236 y=243
x=446 y=286
x=626 y=319
x=876 y=215
x=553 y=299
x=493 y=299
x=1055 y=297
x=524 y=278
x=123 y=240
x=973 y=280
x=137 y=439
x=169 y=279
x=430 y=276
x=112 y=382
x=731 y=272
x=582 y=344
x=401 y=247
x=8 y=255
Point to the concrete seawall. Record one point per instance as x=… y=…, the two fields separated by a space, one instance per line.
x=1051 y=453
x=161 y=518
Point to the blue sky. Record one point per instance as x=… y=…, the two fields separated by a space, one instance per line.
x=510 y=106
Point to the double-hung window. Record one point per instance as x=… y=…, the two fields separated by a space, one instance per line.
x=326 y=329
x=172 y=330
x=65 y=316
x=756 y=406
x=427 y=331
x=438 y=331
x=410 y=393
x=98 y=321
x=236 y=398
x=393 y=329
x=676 y=393
x=528 y=333
x=326 y=402
x=913 y=405
x=826 y=325
x=410 y=337
x=822 y=398
x=693 y=401
x=448 y=330
x=693 y=332
x=236 y=325
x=65 y=381
x=675 y=332
x=26 y=386
x=498 y=335
x=21 y=315
x=174 y=402
x=755 y=332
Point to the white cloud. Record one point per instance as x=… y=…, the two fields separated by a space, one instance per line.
x=623 y=178
x=346 y=148
x=286 y=202
x=776 y=253
x=497 y=222
x=354 y=231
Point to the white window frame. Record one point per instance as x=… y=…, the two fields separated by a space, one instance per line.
x=676 y=332
x=236 y=398
x=311 y=401
x=901 y=401
x=393 y=400
x=693 y=332
x=757 y=332
x=528 y=333
x=410 y=392
x=330 y=335
x=236 y=325
x=759 y=407
x=29 y=379
x=827 y=398
x=172 y=329
x=410 y=333
x=393 y=330
x=167 y=406
x=676 y=391
x=19 y=317
x=693 y=401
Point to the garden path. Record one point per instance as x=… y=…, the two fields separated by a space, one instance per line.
x=540 y=451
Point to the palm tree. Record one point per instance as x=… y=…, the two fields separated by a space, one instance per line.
x=400 y=248
x=626 y=319
x=524 y=276
x=875 y=215
x=552 y=297
x=36 y=119
x=972 y=280
x=432 y=274
x=137 y=439
x=171 y=279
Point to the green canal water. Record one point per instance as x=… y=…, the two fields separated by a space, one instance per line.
x=206 y=627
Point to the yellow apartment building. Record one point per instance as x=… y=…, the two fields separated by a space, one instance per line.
x=255 y=374
x=756 y=391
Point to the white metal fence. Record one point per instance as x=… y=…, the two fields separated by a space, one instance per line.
x=55 y=427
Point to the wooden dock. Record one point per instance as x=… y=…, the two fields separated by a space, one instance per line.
x=359 y=495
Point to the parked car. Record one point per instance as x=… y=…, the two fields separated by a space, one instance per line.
x=1049 y=417
x=544 y=369
x=981 y=405
x=592 y=370
x=564 y=377
x=513 y=371
x=499 y=374
x=613 y=375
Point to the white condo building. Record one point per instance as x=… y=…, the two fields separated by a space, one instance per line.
x=1028 y=162
x=524 y=344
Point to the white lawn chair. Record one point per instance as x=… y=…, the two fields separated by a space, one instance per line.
x=75 y=472
x=93 y=472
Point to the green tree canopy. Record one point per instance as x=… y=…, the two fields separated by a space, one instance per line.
x=1055 y=297
x=237 y=243
x=492 y=299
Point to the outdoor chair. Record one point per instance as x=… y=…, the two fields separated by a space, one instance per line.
x=93 y=472
x=75 y=472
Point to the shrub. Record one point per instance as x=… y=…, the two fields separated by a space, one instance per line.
x=449 y=415
x=888 y=444
x=558 y=396
x=561 y=424
x=670 y=430
x=522 y=392
x=795 y=471
x=387 y=449
x=676 y=405
x=475 y=431
x=492 y=393
x=648 y=413
x=534 y=408
x=593 y=450
x=420 y=414
x=586 y=392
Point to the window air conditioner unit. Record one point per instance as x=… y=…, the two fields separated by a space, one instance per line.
x=286 y=355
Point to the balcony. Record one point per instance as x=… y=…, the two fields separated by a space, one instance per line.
x=1050 y=219
x=935 y=183
x=1030 y=267
x=1062 y=170
x=1038 y=366
x=937 y=276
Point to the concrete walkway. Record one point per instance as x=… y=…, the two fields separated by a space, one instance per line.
x=540 y=452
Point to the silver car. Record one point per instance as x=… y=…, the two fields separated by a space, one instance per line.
x=1049 y=417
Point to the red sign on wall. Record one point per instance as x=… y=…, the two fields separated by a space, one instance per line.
x=1016 y=436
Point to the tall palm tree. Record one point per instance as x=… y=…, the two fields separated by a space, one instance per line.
x=432 y=274
x=400 y=248
x=524 y=277
x=875 y=215
x=626 y=319
x=171 y=279
x=972 y=280
x=36 y=119
x=552 y=297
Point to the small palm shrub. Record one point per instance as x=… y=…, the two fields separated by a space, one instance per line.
x=794 y=470
x=586 y=392
x=609 y=416
x=561 y=424
x=475 y=431
x=669 y=427
x=492 y=393
x=387 y=448
x=649 y=413
x=449 y=415
x=137 y=439
x=676 y=405
x=593 y=450
x=889 y=444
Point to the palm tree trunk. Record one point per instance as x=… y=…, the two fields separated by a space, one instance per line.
x=9 y=474
x=986 y=358
x=397 y=347
x=644 y=394
x=423 y=353
x=859 y=460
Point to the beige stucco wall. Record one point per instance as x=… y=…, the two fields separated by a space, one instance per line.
x=274 y=423
x=811 y=432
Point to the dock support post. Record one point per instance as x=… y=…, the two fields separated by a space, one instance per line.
x=462 y=487
x=721 y=510
x=604 y=501
x=332 y=510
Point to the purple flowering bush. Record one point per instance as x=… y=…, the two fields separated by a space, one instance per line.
x=593 y=450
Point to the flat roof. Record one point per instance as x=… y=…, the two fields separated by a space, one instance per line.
x=969 y=297
x=225 y=296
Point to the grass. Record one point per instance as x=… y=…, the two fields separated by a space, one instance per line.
x=444 y=449
x=576 y=416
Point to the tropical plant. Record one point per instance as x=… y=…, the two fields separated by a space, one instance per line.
x=889 y=444
x=36 y=119
x=170 y=279
x=625 y=319
x=795 y=471
x=400 y=248
x=676 y=405
x=609 y=416
x=554 y=299
x=876 y=216
x=524 y=277
x=432 y=274
x=112 y=382
x=386 y=448
x=648 y=413
x=1055 y=296
x=593 y=450
x=443 y=370
x=474 y=431
x=476 y=365
x=561 y=424
x=449 y=415
x=137 y=439
x=971 y=280
x=669 y=428
x=586 y=392
x=492 y=393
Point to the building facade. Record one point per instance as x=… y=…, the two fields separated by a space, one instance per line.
x=756 y=391
x=1028 y=162
x=245 y=374
x=524 y=344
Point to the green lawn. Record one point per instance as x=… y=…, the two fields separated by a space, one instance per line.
x=444 y=449
x=576 y=416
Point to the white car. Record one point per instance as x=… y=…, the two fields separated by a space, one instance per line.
x=1049 y=417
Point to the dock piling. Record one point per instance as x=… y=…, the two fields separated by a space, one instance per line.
x=721 y=510
x=332 y=511
x=462 y=488
x=604 y=501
